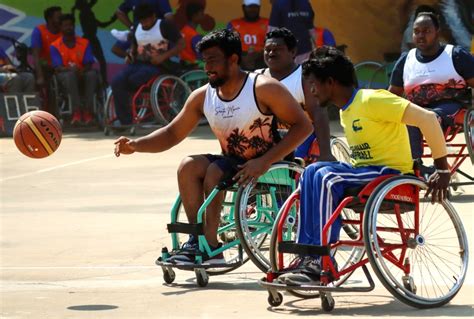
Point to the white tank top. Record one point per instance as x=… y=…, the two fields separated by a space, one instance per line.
x=242 y=129
x=293 y=82
x=425 y=83
x=150 y=42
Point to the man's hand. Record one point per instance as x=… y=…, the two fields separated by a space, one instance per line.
x=9 y=68
x=438 y=184
x=124 y=145
x=251 y=170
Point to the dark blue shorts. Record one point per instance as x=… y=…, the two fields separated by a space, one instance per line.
x=227 y=164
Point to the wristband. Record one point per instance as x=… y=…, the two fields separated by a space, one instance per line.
x=443 y=171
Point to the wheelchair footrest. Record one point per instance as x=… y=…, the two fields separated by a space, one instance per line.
x=191 y=266
x=303 y=249
x=185 y=228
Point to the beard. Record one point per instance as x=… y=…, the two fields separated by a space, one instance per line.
x=217 y=82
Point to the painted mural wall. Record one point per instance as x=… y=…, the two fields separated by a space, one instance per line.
x=369 y=28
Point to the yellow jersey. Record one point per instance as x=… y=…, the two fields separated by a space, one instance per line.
x=372 y=122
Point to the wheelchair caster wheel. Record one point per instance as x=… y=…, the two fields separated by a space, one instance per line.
x=275 y=299
x=106 y=131
x=201 y=277
x=409 y=284
x=327 y=302
x=168 y=275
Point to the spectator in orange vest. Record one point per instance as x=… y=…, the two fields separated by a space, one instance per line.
x=41 y=39
x=72 y=60
x=194 y=14
x=252 y=29
x=324 y=37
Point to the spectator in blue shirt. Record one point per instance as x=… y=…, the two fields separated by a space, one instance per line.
x=297 y=16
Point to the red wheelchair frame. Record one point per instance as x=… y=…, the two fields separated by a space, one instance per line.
x=457 y=152
x=392 y=196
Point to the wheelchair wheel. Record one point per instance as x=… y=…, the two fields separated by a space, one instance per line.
x=100 y=98
x=257 y=206
x=469 y=132
x=168 y=95
x=340 y=150
x=195 y=79
x=60 y=101
x=227 y=233
x=365 y=71
x=345 y=256
x=418 y=250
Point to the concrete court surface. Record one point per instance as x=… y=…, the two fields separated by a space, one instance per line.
x=80 y=231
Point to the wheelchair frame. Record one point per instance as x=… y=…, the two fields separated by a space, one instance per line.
x=391 y=195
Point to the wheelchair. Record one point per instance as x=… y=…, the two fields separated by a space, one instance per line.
x=373 y=75
x=62 y=106
x=260 y=200
x=158 y=101
x=418 y=250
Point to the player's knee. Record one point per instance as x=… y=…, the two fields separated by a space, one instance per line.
x=191 y=166
x=213 y=177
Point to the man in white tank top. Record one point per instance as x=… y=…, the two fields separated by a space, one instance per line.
x=279 y=55
x=150 y=49
x=432 y=75
x=239 y=108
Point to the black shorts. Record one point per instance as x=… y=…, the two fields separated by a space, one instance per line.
x=227 y=164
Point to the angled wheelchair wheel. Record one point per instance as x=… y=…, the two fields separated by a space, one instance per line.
x=227 y=233
x=60 y=101
x=340 y=150
x=469 y=132
x=287 y=223
x=195 y=79
x=365 y=71
x=100 y=98
x=168 y=95
x=418 y=250
x=257 y=206
x=108 y=114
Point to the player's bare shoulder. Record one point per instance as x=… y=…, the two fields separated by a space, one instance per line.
x=268 y=90
x=197 y=97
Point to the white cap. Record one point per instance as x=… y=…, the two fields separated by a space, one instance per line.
x=251 y=2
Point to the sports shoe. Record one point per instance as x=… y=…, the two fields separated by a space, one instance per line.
x=76 y=118
x=87 y=117
x=187 y=252
x=120 y=35
x=302 y=271
x=217 y=259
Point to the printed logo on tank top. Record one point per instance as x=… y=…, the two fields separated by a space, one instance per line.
x=226 y=112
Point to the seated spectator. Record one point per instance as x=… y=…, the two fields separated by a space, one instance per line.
x=324 y=37
x=161 y=8
x=13 y=81
x=150 y=49
x=252 y=29
x=41 y=39
x=72 y=60
x=194 y=13
x=432 y=75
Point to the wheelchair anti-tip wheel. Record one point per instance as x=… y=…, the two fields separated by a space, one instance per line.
x=418 y=250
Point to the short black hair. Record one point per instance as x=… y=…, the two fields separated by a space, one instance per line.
x=433 y=16
x=328 y=62
x=226 y=40
x=49 y=12
x=67 y=17
x=424 y=8
x=192 y=9
x=143 y=11
x=285 y=34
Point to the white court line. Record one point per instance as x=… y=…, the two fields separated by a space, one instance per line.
x=75 y=267
x=44 y=170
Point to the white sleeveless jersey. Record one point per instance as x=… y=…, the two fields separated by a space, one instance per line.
x=242 y=129
x=425 y=83
x=150 y=42
x=293 y=82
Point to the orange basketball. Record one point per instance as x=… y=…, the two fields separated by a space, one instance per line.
x=37 y=134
